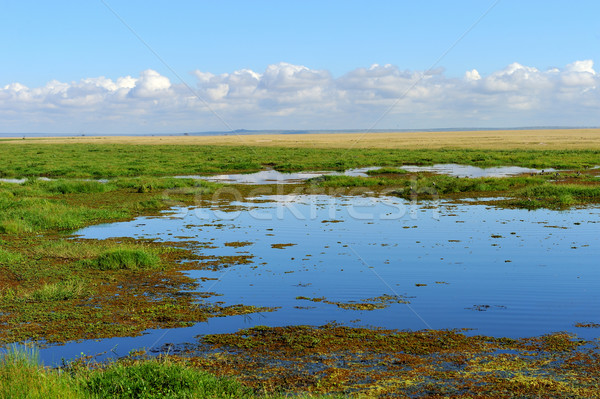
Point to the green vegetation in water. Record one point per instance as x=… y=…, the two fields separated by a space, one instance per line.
x=391 y=363
x=61 y=291
x=282 y=245
x=326 y=361
x=549 y=195
x=380 y=302
x=238 y=244
x=587 y=325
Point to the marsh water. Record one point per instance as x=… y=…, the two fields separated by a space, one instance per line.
x=500 y=272
x=272 y=176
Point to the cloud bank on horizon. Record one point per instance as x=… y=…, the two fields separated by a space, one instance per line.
x=287 y=96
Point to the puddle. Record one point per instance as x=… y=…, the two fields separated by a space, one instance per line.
x=21 y=181
x=16 y=181
x=474 y=171
x=275 y=177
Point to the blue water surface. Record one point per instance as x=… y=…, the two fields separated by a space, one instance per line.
x=500 y=272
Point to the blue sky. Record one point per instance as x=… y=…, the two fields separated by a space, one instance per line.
x=321 y=47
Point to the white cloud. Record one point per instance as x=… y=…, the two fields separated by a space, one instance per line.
x=472 y=75
x=580 y=73
x=287 y=96
x=150 y=84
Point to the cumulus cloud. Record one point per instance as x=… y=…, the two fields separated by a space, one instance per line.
x=287 y=96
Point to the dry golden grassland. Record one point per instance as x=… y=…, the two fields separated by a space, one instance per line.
x=542 y=139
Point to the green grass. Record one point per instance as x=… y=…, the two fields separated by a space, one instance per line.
x=27 y=211
x=428 y=183
x=159 y=379
x=556 y=196
x=38 y=206
x=63 y=186
x=61 y=291
x=71 y=288
x=23 y=377
x=352 y=181
x=130 y=259
x=386 y=171
x=122 y=160
x=8 y=258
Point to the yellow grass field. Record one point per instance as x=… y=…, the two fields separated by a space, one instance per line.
x=555 y=139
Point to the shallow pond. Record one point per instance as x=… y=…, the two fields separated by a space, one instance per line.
x=502 y=272
x=275 y=177
x=474 y=171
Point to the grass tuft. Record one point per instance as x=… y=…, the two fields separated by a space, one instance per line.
x=131 y=259
x=22 y=376
x=61 y=291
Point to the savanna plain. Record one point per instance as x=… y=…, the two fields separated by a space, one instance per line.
x=101 y=238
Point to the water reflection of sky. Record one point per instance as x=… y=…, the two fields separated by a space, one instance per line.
x=503 y=272
x=473 y=171
x=275 y=177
